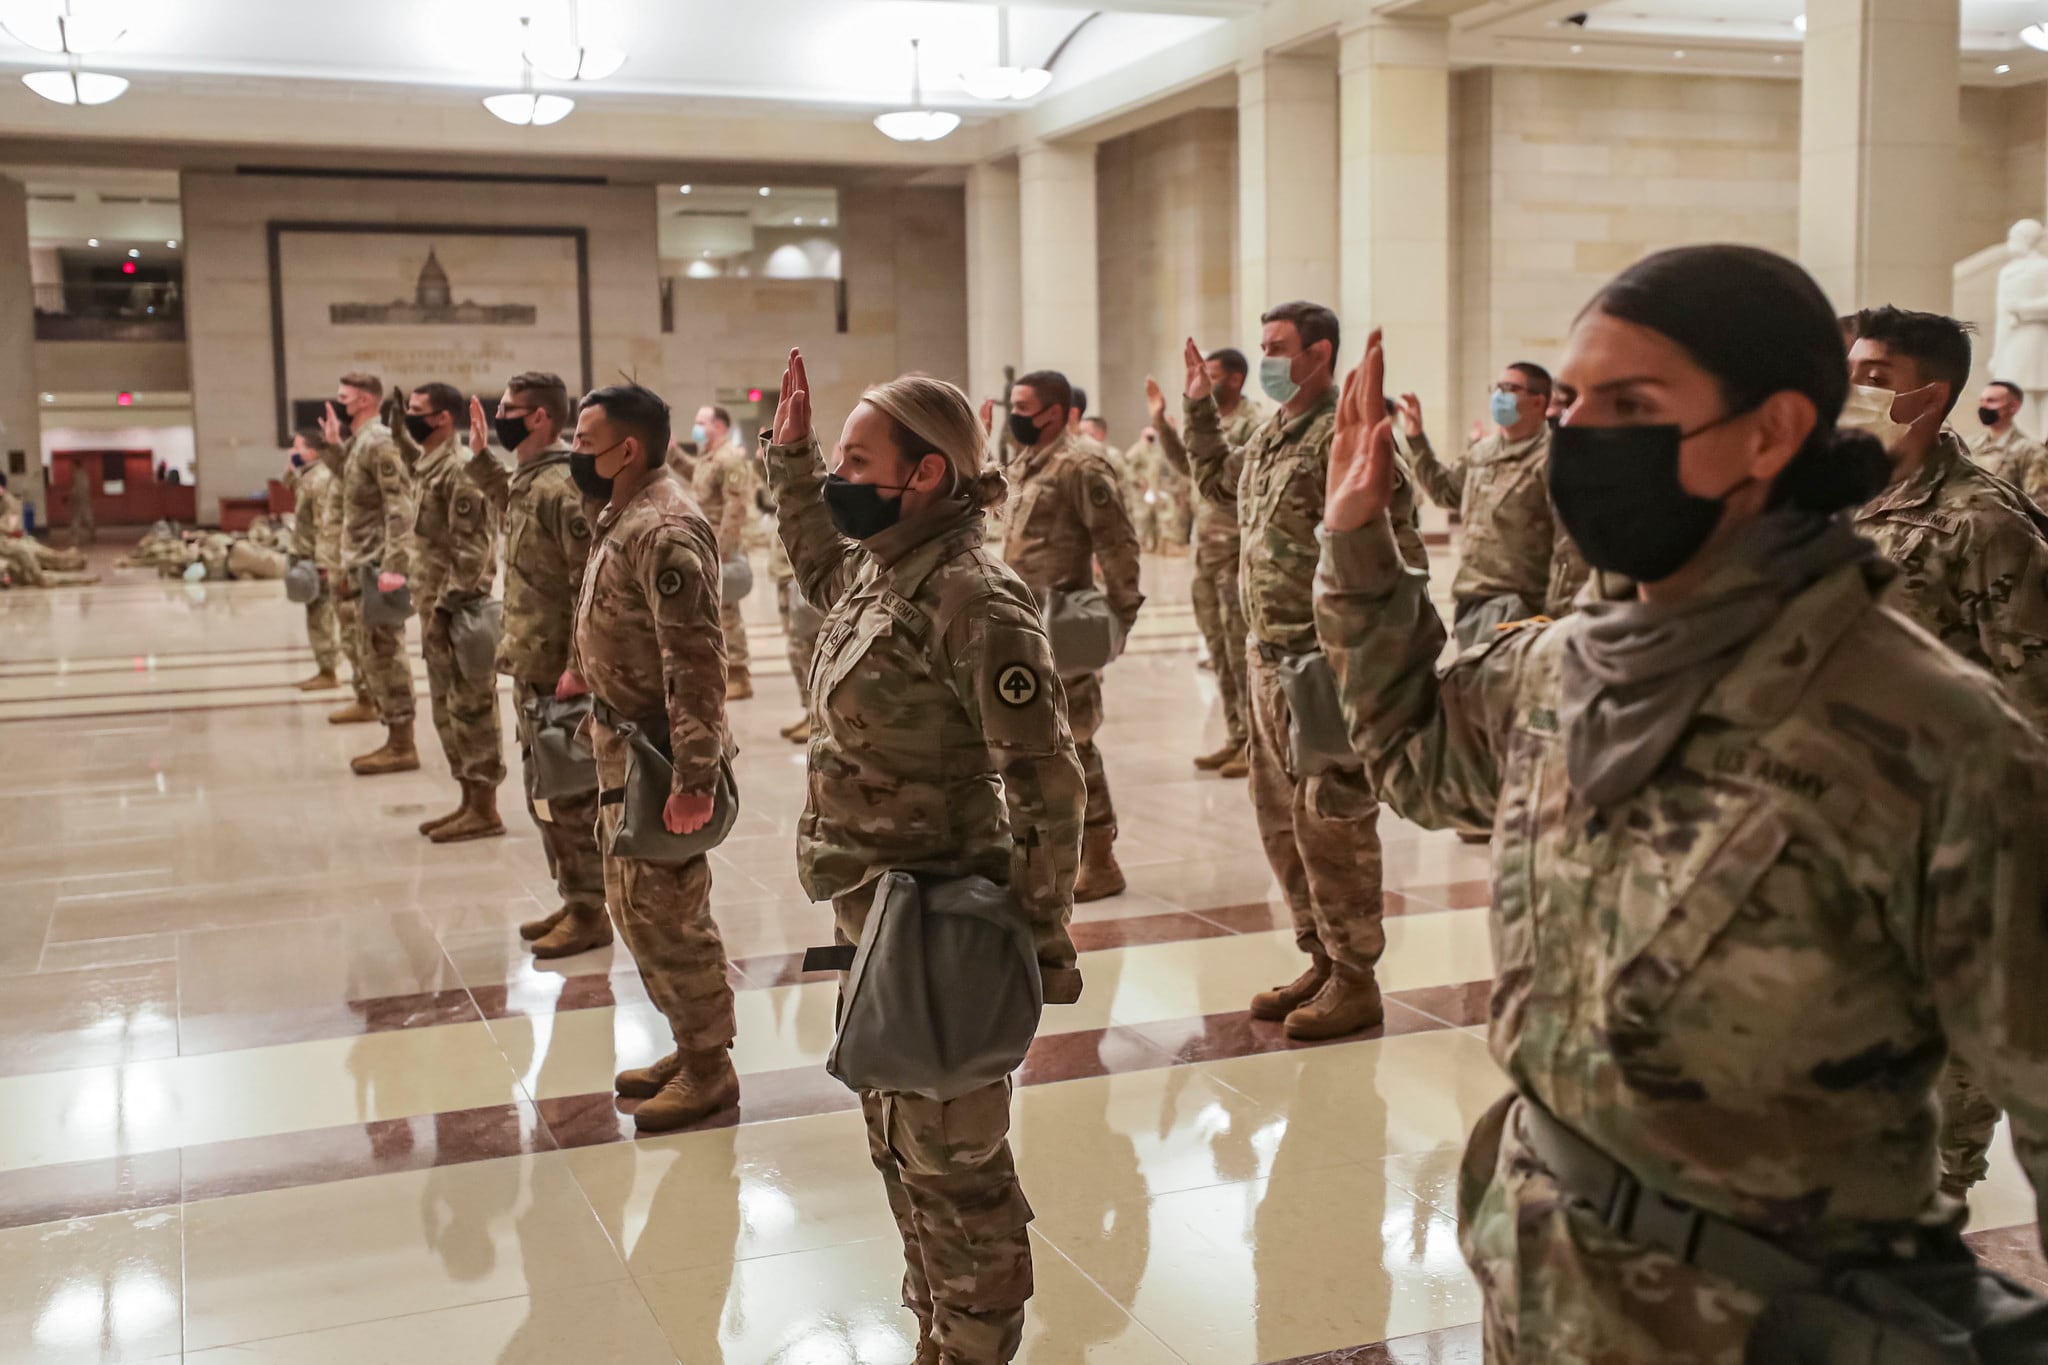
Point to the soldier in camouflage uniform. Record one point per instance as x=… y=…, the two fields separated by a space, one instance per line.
x=649 y=650
x=41 y=559
x=378 y=506
x=724 y=488
x=1744 y=901
x=309 y=480
x=1973 y=559
x=1069 y=518
x=800 y=621
x=1219 y=607
x=348 y=604
x=547 y=542
x=455 y=558
x=1516 y=561
x=940 y=744
x=1320 y=829
x=2004 y=449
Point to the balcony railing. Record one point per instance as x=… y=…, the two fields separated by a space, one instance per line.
x=142 y=311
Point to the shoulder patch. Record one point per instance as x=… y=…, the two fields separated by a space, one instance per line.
x=465 y=505
x=669 y=581
x=578 y=527
x=1017 y=685
x=1098 y=492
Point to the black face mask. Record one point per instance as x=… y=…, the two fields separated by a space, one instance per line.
x=1617 y=491
x=1024 y=430
x=583 y=470
x=342 y=413
x=510 y=431
x=1989 y=416
x=419 y=427
x=858 y=509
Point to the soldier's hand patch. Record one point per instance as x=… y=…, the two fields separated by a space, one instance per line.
x=1017 y=685
x=669 y=582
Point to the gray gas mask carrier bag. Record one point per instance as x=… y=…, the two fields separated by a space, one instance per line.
x=803 y=617
x=650 y=776
x=474 y=625
x=1317 y=737
x=563 y=765
x=302 y=582
x=382 y=608
x=735 y=579
x=1085 y=634
x=944 y=994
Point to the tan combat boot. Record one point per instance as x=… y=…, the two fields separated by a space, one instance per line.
x=355 y=713
x=1348 y=1003
x=539 y=928
x=478 y=818
x=1279 y=1002
x=703 y=1084
x=1209 y=763
x=579 y=931
x=397 y=756
x=427 y=827
x=320 y=682
x=739 y=686
x=799 y=733
x=645 y=1082
x=1100 y=877
x=1239 y=766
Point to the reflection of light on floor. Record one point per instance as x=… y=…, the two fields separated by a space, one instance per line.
x=126 y=1105
x=765 y=1208
x=80 y=1313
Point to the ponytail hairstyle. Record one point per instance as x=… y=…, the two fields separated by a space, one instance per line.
x=1759 y=324
x=928 y=416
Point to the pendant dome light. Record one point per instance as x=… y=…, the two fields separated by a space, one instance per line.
x=917 y=123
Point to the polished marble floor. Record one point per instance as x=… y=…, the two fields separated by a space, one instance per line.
x=278 y=1083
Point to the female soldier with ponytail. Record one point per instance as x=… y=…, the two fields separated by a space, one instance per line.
x=939 y=744
x=1764 y=852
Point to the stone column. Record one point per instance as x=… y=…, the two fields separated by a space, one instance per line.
x=1056 y=255
x=995 y=296
x=1286 y=188
x=1395 y=148
x=1879 y=123
x=21 y=423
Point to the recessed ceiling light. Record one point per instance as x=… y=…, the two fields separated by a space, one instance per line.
x=172 y=244
x=799 y=221
x=1577 y=48
x=824 y=222
x=134 y=253
x=1678 y=52
x=707 y=255
x=92 y=241
x=49 y=398
x=686 y=189
x=2000 y=70
x=1799 y=22
x=764 y=191
x=1777 y=56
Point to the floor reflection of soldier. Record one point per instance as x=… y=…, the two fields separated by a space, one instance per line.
x=1349 y=1241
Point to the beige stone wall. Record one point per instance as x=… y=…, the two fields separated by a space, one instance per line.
x=111 y=366
x=228 y=329
x=2004 y=156
x=1167 y=256
x=904 y=257
x=1473 y=363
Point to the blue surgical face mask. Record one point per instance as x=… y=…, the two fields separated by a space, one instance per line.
x=1276 y=377
x=699 y=435
x=1507 y=409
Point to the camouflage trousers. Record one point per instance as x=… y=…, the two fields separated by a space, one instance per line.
x=953 y=1191
x=84 y=530
x=348 y=618
x=465 y=711
x=1219 y=611
x=801 y=644
x=20 y=564
x=568 y=829
x=735 y=641
x=1552 y=1276
x=323 y=631
x=1969 y=1120
x=663 y=912
x=1321 y=835
x=390 y=681
x=1084 y=715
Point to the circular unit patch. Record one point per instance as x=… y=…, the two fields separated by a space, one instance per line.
x=669 y=582
x=1017 y=685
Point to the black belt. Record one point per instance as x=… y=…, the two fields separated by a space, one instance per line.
x=1272 y=654
x=612 y=796
x=1636 y=1213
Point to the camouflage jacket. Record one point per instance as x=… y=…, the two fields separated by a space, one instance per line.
x=455 y=537
x=647 y=636
x=1069 y=517
x=547 y=541
x=1514 y=543
x=2017 y=458
x=723 y=485
x=314 y=534
x=1741 y=980
x=377 y=502
x=1216 y=516
x=1973 y=568
x=939 y=738
x=1279 y=501
x=10 y=514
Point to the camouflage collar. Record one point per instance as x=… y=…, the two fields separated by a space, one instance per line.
x=439 y=457
x=1280 y=429
x=1924 y=484
x=899 y=544
x=528 y=470
x=1028 y=462
x=1506 y=451
x=1772 y=675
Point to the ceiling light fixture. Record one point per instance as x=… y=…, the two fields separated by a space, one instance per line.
x=92 y=241
x=1005 y=81
x=70 y=27
x=764 y=191
x=134 y=253
x=1799 y=22
x=917 y=123
x=172 y=244
x=686 y=189
x=2035 y=36
x=572 y=60
x=523 y=107
x=1577 y=48
x=2000 y=70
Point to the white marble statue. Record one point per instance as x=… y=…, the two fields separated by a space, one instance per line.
x=2019 y=343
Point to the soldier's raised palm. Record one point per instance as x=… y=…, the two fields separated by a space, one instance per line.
x=793 y=408
x=1361 y=485
x=479 y=429
x=1198 y=372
